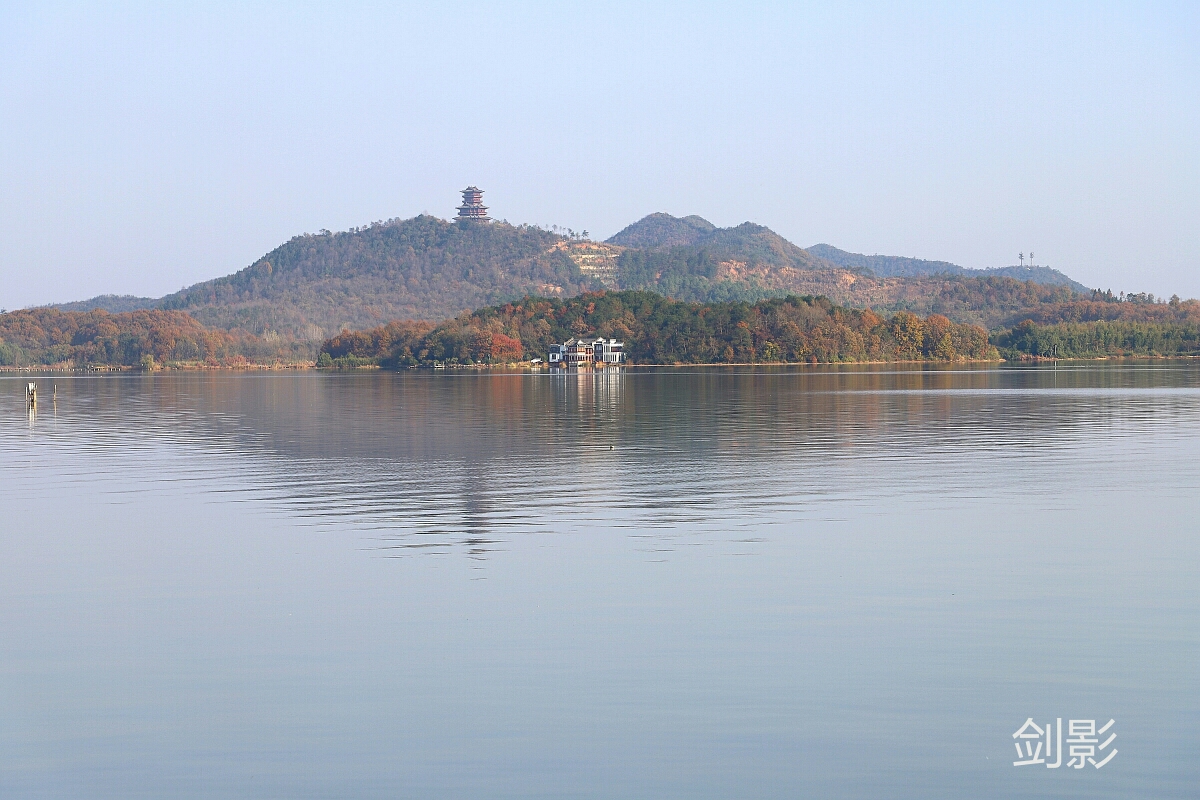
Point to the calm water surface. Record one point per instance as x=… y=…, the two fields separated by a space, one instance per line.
x=711 y=583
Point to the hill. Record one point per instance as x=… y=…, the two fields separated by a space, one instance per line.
x=658 y=330
x=663 y=230
x=898 y=266
x=750 y=262
x=429 y=269
x=420 y=268
x=692 y=259
x=747 y=243
x=112 y=303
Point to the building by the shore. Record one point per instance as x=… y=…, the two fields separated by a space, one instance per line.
x=586 y=353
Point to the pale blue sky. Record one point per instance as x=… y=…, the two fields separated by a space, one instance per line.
x=146 y=147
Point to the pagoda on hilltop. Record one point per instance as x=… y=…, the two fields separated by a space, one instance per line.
x=472 y=208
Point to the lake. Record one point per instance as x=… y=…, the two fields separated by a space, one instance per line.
x=769 y=582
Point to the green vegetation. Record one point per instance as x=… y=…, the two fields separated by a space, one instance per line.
x=703 y=275
x=134 y=338
x=351 y=349
x=421 y=268
x=663 y=230
x=1105 y=325
x=691 y=238
x=112 y=303
x=1100 y=339
x=426 y=268
x=691 y=259
x=657 y=330
x=1104 y=307
x=898 y=266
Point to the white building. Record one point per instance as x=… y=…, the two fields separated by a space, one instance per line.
x=586 y=352
x=608 y=351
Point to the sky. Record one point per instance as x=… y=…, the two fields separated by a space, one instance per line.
x=145 y=147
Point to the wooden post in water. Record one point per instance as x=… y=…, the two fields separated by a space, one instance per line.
x=31 y=395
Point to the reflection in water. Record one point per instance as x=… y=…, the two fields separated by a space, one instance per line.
x=430 y=462
x=595 y=392
x=777 y=582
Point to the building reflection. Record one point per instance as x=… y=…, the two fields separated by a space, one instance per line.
x=455 y=461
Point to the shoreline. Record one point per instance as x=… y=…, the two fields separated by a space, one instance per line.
x=97 y=369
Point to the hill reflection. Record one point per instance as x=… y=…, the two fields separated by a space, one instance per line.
x=461 y=460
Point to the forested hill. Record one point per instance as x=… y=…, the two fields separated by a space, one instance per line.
x=747 y=243
x=429 y=269
x=112 y=303
x=899 y=266
x=663 y=230
x=420 y=268
x=658 y=330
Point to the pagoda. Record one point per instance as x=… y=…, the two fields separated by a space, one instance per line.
x=472 y=208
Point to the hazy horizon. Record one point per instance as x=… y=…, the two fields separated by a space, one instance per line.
x=144 y=150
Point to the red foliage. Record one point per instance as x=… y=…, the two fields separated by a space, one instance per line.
x=506 y=348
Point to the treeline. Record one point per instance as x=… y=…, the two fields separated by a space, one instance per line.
x=49 y=336
x=357 y=348
x=1098 y=339
x=657 y=330
x=1103 y=307
x=1105 y=325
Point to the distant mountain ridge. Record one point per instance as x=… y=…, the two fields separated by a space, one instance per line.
x=746 y=242
x=663 y=230
x=899 y=266
x=112 y=303
x=426 y=268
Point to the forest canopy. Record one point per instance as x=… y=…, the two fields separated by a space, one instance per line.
x=1099 y=339
x=1105 y=325
x=657 y=330
x=50 y=336
x=316 y=285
